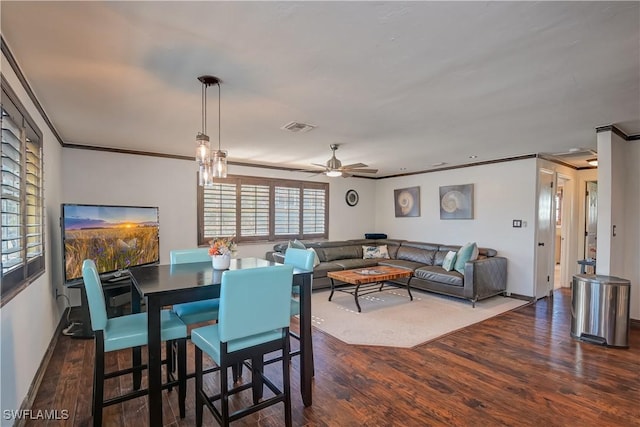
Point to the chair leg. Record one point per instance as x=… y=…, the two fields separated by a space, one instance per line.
x=257 y=366
x=136 y=357
x=182 y=375
x=236 y=370
x=199 y=391
x=224 y=395
x=168 y=349
x=286 y=381
x=98 y=381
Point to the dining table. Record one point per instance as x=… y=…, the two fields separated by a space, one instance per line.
x=163 y=285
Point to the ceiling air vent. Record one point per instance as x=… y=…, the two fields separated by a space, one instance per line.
x=298 y=127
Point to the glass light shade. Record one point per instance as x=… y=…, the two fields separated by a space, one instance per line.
x=205 y=177
x=334 y=173
x=219 y=164
x=202 y=148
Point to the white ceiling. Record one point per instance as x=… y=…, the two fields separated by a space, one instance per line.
x=400 y=85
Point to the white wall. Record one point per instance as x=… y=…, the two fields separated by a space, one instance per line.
x=122 y=179
x=29 y=320
x=502 y=192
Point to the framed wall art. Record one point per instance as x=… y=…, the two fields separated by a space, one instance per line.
x=407 y=201
x=456 y=202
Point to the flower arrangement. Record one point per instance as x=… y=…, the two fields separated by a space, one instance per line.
x=222 y=246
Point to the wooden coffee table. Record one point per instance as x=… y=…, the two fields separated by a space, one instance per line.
x=368 y=280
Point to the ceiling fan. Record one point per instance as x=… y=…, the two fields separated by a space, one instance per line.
x=334 y=167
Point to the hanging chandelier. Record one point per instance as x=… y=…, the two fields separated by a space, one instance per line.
x=210 y=164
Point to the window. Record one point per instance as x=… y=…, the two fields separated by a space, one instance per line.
x=262 y=209
x=22 y=198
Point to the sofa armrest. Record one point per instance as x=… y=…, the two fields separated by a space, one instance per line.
x=278 y=257
x=485 y=277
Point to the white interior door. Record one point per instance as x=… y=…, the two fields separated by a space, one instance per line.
x=591 y=221
x=545 y=234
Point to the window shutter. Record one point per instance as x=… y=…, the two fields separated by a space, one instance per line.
x=12 y=243
x=254 y=210
x=220 y=210
x=22 y=198
x=314 y=211
x=262 y=209
x=287 y=211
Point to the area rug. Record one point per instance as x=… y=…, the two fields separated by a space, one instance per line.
x=390 y=319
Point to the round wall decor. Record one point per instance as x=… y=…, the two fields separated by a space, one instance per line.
x=351 y=197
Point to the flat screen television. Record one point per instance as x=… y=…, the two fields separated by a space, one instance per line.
x=115 y=237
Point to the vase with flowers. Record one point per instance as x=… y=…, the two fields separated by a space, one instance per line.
x=220 y=250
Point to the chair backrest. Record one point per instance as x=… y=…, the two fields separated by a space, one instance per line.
x=299 y=258
x=95 y=295
x=254 y=301
x=185 y=256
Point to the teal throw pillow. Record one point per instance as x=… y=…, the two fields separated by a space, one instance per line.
x=465 y=254
x=449 y=260
x=296 y=244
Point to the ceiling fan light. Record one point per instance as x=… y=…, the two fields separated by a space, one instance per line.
x=334 y=173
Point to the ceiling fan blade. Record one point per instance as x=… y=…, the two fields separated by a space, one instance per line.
x=363 y=171
x=346 y=175
x=319 y=165
x=355 y=165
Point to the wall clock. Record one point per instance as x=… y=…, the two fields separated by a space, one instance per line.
x=351 y=197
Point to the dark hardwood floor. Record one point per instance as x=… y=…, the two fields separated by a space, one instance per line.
x=518 y=369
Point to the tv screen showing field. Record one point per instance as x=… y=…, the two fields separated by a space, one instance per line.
x=115 y=237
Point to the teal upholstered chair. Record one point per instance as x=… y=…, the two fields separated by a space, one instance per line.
x=190 y=312
x=299 y=258
x=255 y=310
x=125 y=332
x=197 y=311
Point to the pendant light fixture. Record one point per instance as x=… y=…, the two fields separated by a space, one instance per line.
x=210 y=164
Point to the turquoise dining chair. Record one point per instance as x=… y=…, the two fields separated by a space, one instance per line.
x=303 y=259
x=123 y=332
x=197 y=311
x=190 y=312
x=254 y=316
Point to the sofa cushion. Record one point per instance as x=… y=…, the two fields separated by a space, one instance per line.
x=465 y=254
x=349 y=264
x=369 y=252
x=449 y=260
x=340 y=252
x=401 y=263
x=440 y=275
x=321 y=269
x=409 y=253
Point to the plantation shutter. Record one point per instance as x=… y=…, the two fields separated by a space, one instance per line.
x=262 y=209
x=220 y=210
x=314 y=211
x=22 y=197
x=254 y=210
x=286 y=211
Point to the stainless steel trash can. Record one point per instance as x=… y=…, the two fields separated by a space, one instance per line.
x=600 y=309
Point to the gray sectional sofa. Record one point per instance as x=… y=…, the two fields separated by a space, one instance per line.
x=482 y=278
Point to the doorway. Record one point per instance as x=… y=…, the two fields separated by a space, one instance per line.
x=591 y=223
x=562 y=217
x=544 y=234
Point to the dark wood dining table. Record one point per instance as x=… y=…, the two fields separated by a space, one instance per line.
x=164 y=285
